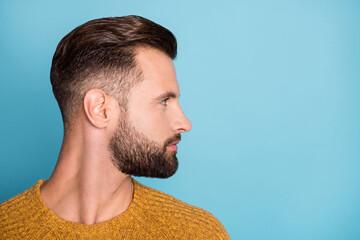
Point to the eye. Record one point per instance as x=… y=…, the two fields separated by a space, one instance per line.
x=163 y=102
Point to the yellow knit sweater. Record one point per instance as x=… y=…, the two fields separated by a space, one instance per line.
x=151 y=215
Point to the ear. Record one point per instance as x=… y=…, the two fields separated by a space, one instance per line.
x=96 y=107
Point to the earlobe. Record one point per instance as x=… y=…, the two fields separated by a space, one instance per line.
x=96 y=108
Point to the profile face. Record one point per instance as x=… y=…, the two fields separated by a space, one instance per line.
x=145 y=142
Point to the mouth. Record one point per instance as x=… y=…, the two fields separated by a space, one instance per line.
x=173 y=146
x=171 y=143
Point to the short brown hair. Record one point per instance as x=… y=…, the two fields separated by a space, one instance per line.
x=101 y=54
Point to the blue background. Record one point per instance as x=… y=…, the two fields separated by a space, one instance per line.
x=271 y=88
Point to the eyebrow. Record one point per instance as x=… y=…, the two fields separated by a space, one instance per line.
x=168 y=94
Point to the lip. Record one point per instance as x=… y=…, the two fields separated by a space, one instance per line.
x=173 y=146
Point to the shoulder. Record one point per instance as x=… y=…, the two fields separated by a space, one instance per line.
x=174 y=214
x=12 y=207
x=17 y=212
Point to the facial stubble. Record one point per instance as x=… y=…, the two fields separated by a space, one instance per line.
x=135 y=154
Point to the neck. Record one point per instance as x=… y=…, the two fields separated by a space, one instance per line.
x=85 y=186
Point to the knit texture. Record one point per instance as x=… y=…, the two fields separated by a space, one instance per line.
x=151 y=215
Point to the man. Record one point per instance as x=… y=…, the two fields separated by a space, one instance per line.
x=116 y=87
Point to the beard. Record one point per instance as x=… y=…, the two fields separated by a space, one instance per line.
x=135 y=154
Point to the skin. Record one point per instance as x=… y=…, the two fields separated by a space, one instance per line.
x=85 y=186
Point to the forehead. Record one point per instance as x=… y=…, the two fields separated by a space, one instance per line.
x=158 y=71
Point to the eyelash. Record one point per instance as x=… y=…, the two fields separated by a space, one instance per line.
x=163 y=102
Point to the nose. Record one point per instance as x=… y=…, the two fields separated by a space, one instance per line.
x=181 y=123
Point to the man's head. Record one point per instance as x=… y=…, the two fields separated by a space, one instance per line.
x=128 y=59
x=101 y=54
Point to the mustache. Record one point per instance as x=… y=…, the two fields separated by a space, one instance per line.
x=173 y=139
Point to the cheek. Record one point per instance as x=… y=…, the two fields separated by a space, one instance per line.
x=152 y=124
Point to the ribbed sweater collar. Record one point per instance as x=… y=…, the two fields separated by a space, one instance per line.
x=125 y=219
